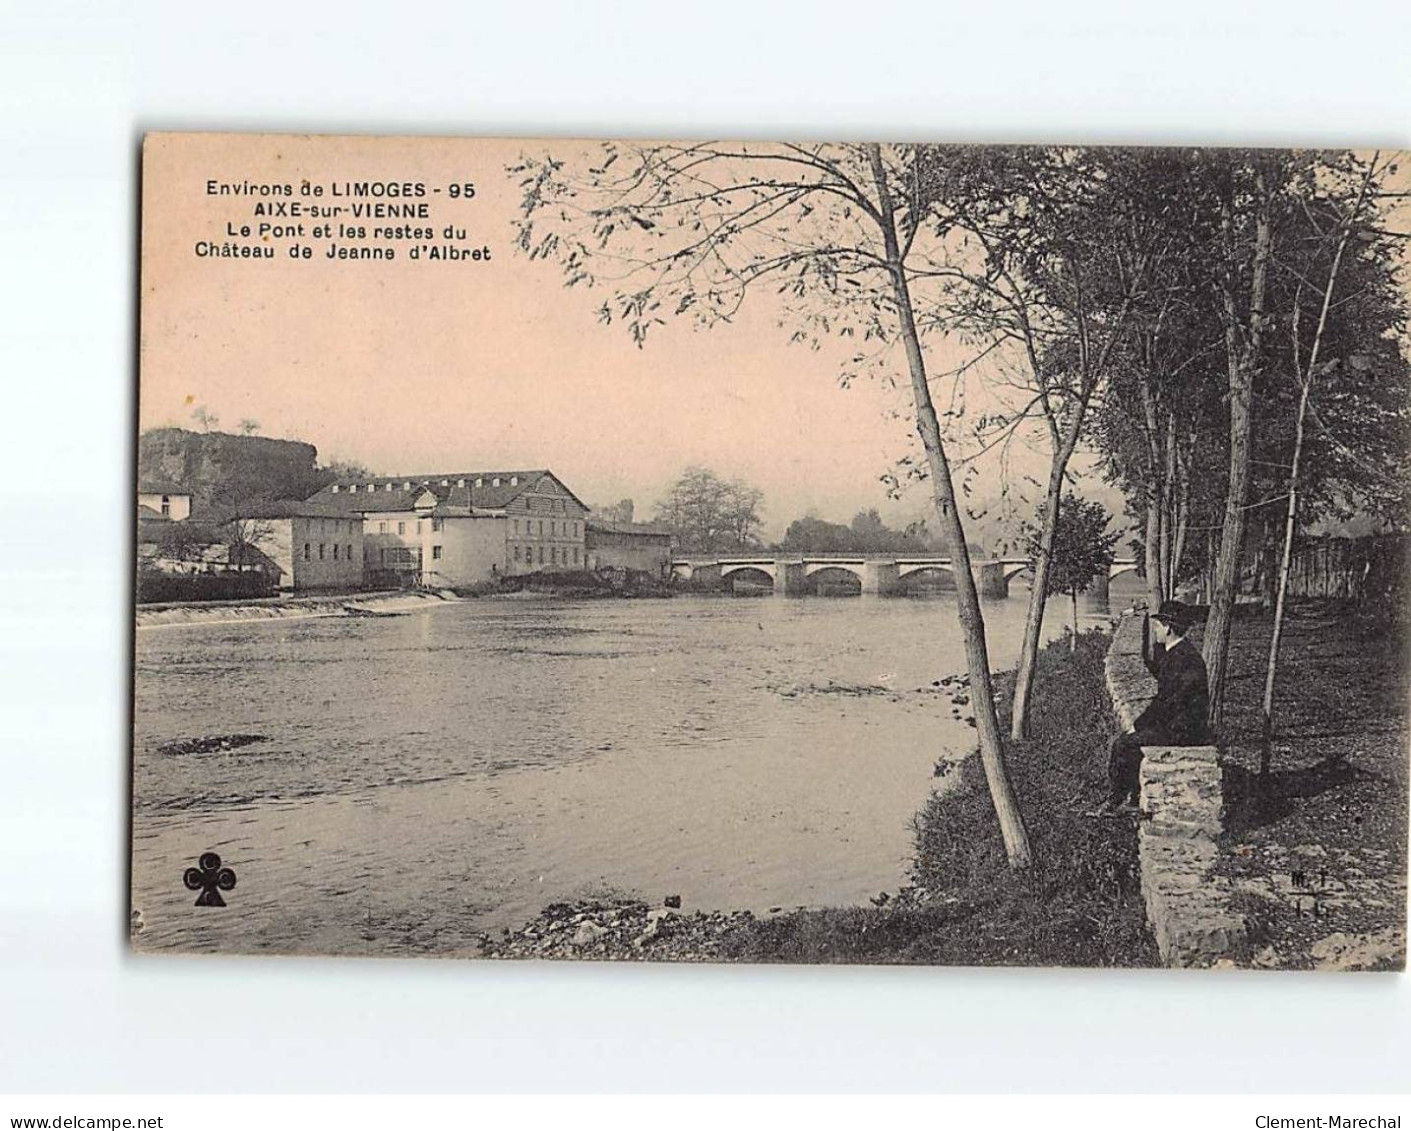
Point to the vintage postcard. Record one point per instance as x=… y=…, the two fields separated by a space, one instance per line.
x=768 y=552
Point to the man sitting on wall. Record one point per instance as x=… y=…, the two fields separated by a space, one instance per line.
x=1176 y=717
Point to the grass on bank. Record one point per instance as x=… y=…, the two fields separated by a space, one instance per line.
x=1080 y=904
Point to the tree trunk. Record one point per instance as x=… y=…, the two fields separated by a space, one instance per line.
x=1242 y=346
x=972 y=623
x=1038 y=598
x=1154 y=564
x=1183 y=516
x=1155 y=592
x=1074 y=639
x=1289 y=524
x=1168 y=513
x=1291 y=519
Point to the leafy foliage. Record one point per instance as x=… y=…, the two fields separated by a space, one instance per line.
x=1082 y=546
x=706 y=513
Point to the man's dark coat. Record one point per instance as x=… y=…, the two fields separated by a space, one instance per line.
x=1182 y=696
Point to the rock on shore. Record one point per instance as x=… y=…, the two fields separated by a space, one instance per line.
x=620 y=929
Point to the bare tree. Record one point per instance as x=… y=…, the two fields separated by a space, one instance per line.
x=1049 y=250
x=1305 y=373
x=1246 y=240
x=690 y=229
x=244 y=538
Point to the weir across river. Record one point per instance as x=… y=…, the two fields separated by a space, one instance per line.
x=879 y=574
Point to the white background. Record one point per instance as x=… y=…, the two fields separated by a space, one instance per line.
x=78 y=84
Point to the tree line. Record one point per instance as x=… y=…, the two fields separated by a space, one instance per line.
x=1224 y=326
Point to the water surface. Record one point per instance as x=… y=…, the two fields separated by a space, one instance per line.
x=428 y=777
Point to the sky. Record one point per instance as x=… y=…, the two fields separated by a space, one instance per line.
x=420 y=367
x=412 y=367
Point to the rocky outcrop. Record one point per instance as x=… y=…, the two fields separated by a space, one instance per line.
x=1187 y=904
x=225 y=472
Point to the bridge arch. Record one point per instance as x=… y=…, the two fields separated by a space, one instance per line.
x=1014 y=569
x=834 y=579
x=728 y=569
x=851 y=567
x=752 y=575
x=1117 y=568
x=906 y=569
x=922 y=578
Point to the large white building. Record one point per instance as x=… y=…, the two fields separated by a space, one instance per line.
x=462 y=528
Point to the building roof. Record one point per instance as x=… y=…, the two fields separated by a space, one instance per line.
x=147 y=514
x=293 y=508
x=641 y=529
x=456 y=488
x=160 y=487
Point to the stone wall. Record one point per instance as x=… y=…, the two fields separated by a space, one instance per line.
x=1187 y=906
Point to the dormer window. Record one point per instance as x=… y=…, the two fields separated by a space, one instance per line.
x=460 y=482
x=388 y=487
x=406 y=485
x=445 y=483
x=335 y=488
x=514 y=480
x=352 y=489
x=372 y=488
x=480 y=482
x=495 y=482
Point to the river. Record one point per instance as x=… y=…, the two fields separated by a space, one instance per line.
x=423 y=778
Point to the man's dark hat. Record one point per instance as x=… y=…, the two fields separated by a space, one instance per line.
x=1177 y=614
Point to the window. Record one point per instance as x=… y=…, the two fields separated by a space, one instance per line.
x=350 y=551
x=401 y=528
x=516 y=552
x=166 y=505
x=382 y=528
x=435 y=553
x=541 y=528
x=335 y=551
x=306 y=551
x=553 y=529
x=436 y=524
x=554 y=555
x=382 y=555
x=418 y=526
x=575 y=530
x=480 y=483
x=495 y=482
x=320 y=551
x=335 y=488
x=516 y=526
x=541 y=555
x=575 y=555
x=352 y=490
x=514 y=480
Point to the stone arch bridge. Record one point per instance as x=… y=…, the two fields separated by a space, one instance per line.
x=881 y=574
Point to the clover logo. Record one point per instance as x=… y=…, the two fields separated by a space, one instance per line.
x=210 y=879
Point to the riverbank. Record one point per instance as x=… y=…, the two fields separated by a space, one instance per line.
x=289 y=608
x=1317 y=850
x=1080 y=905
